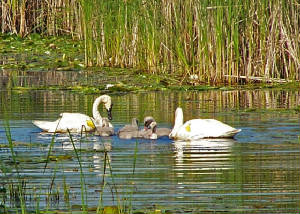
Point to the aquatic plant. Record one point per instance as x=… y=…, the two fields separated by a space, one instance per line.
x=210 y=41
x=17 y=188
x=82 y=180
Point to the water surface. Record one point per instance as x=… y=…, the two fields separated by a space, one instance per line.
x=257 y=172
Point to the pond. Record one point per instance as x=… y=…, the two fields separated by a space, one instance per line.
x=257 y=172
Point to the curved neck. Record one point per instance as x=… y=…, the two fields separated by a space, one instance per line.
x=96 y=113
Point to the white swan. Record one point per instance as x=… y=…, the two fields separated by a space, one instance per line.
x=76 y=121
x=200 y=128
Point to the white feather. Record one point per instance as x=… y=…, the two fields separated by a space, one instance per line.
x=200 y=128
x=76 y=122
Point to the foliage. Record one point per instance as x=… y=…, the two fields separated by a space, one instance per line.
x=212 y=41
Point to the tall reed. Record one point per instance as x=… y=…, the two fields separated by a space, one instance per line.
x=17 y=192
x=82 y=180
x=212 y=41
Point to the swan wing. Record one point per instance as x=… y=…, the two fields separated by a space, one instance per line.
x=72 y=121
x=163 y=132
x=105 y=131
x=75 y=122
x=128 y=128
x=47 y=126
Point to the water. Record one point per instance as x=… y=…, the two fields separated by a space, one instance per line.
x=257 y=172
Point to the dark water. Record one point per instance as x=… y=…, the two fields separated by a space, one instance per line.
x=257 y=172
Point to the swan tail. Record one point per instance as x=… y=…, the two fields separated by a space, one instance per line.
x=45 y=125
x=231 y=133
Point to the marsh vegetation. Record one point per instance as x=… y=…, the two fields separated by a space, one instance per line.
x=58 y=55
x=210 y=41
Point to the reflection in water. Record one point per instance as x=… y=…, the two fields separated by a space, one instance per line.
x=196 y=161
x=220 y=105
x=15 y=78
x=259 y=172
x=102 y=155
x=100 y=148
x=202 y=150
x=193 y=101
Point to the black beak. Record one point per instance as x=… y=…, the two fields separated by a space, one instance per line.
x=109 y=115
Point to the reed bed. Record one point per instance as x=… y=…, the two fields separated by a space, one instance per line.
x=208 y=41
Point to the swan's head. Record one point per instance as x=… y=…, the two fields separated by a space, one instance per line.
x=134 y=122
x=109 y=115
x=147 y=121
x=152 y=126
x=108 y=105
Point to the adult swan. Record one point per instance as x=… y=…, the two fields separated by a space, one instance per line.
x=76 y=122
x=200 y=128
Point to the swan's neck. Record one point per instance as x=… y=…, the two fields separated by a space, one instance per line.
x=178 y=122
x=96 y=113
x=178 y=118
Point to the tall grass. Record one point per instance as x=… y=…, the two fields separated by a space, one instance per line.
x=18 y=187
x=215 y=41
x=82 y=180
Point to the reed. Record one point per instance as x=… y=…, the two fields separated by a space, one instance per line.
x=212 y=41
x=17 y=188
x=82 y=179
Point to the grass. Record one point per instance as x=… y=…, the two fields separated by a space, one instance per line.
x=16 y=189
x=82 y=180
x=213 y=41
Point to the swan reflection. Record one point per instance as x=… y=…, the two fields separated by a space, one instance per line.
x=100 y=147
x=92 y=149
x=202 y=155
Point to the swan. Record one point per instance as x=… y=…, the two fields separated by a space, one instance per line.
x=147 y=121
x=148 y=133
x=159 y=131
x=106 y=129
x=130 y=127
x=162 y=132
x=76 y=121
x=200 y=128
x=130 y=130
